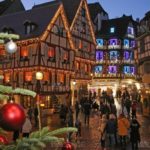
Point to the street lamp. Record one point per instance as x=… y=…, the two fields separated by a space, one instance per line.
x=73 y=91
x=39 y=77
x=11 y=47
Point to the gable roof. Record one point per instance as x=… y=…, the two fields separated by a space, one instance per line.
x=11 y=6
x=40 y=16
x=120 y=25
x=94 y=9
x=70 y=6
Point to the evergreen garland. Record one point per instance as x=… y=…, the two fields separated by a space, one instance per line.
x=38 y=139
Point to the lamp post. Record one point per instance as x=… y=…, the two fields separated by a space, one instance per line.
x=73 y=91
x=39 y=77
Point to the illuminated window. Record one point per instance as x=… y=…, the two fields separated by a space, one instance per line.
x=80 y=44
x=112 y=30
x=28 y=76
x=66 y=56
x=126 y=55
x=113 y=55
x=61 y=78
x=126 y=43
x=77 y=65
x=132 y=44
x=99 y=55
x=113 y=42
x=46 y=76
x=2 y=51
x=98 y=69
x=51 y=52
x=7 y=77
x=24 y=52
x=129 y=70
x=100 y=42
x=112 y=69
x=130 y=30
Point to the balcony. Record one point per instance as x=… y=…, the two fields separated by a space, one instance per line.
x=114 y=46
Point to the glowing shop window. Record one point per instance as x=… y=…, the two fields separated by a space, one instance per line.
x=127 y=70
x=98 y=69
x=28 y=76
x=100 y=42
x=51 y=52
x=24 y=52
x=112 y=30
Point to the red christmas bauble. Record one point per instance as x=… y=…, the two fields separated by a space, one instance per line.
x=67 y=146
x=12 y=117
x=3 y=140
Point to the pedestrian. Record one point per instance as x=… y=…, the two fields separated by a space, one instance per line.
x=16 y=135
x=123 y=126
x=134 y=134
x=78 y=126
x=30 y=111
x=87 y=109
x=128 y=105
x=102 y=129
x=63 y=113
x=134 y=107
x=70 y=121
x=111 y=129
x=27 y=127
x=36 y=116
x=77 y=109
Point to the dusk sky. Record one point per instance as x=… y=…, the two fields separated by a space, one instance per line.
x=115 y=8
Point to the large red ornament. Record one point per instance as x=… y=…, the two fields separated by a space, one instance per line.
x=3 y=140
x=67 y=146
x=12 y=117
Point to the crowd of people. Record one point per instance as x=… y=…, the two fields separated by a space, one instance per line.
x=117 y=125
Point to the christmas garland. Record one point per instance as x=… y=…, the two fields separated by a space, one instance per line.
x=38 y=139
x=8 y=36
x=9 y=90
x=2 y=97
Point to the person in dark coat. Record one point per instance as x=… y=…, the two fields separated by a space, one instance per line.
x=134 y=134
x=36 y=113
x=87 y=109
x=128 y=105
x=77 y=109
x=111 y=129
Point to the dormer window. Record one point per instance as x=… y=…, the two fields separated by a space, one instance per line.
x=8 y=30
x=112 y=30
x=130 y=30
x=29 y=27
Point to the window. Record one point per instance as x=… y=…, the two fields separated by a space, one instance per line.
x=8 y=30
x=132 y=44
x=83 y=12
x=100 y=42
x=126 y=55
x=66 y=56
x=112 y=30
x=6 y=77
x=83 y=27
x=55 y=29
x=113 y=55
x=80 y=44
x=77 y=65
x=46 y=76
x=28 y=76
x=29 y=27
x=113 y=42
x=24 y=52
x=126 y=43
x=99 y=55
x=129 y=70
x=61 y=31
x=98 y=69
x=61 y=78
x=2 y=51
x=130 y=30
x=112 y=69
x=51 y=52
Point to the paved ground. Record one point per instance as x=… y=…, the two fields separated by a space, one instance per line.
x=90 y=134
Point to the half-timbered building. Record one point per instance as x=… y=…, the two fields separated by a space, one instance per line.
x=62 y=49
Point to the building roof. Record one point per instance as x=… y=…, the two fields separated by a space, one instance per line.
x=146 y=17
x=94 y=9
x=40 y=16
x=70 y=6
x=120 y=25
x=11 y=6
